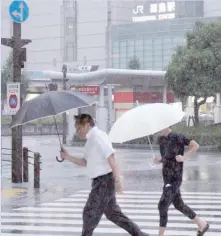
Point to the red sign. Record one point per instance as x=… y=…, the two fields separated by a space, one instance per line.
x=142 y=97
x=13 y=101
x=90 y=90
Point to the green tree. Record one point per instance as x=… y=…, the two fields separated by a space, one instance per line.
x=195 y=68
x=134 y=63
x=7 y=76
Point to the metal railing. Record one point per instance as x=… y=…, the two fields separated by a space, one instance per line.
x=25 y=164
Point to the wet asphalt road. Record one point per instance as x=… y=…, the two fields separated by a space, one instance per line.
x=62 y=182
x=202 y=172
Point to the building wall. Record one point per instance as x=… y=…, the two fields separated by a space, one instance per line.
x=6 y=29
x=126 y=98
x=69 y=32
x=46 y=27
x=212 y=8
x=153 y=43
x=91 y=39
x=43 y=27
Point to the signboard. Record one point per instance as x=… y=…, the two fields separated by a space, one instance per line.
x=88 y=68
x=154 y=11
x=13 y=98
x=89 y=90
x=19 y=11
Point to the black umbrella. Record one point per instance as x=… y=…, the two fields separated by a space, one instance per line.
x=50 y=104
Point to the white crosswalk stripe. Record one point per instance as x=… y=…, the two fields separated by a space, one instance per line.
x=64 y=216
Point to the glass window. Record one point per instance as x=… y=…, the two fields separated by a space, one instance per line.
x=130 y=54
x=69 y=4
x=122 y=46
x=115 y=50
x=141 y=62
x=115 y=44
x=123 y=63
x=177 y=41
x=157 y=45
x=166 y=63
x=158 y=64
x=115 y=56
x=70 y=30
x=167 y=42
x=130 y=44
x=123 y=59
x=115 y=59
x=190 y=9
x=148 y=65
x=131 y=49
x=167 y=58
x=115 y=64
x=158 y=57
x=139 y=54
x=148 y=55
x=199 y=8
x=138 y=45
x=148 y=44
x=115 y=47
x=167 y=49
x=123 y=54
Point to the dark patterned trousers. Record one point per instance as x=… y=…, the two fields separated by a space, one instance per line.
x=102 y=200
x=172 y=195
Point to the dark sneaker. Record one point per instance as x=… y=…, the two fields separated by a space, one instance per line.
x=204 y=231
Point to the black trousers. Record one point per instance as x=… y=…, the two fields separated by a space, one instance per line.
x=102 y=200
x=172 y=195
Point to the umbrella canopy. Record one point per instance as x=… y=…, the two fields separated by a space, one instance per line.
x=50 y=104
x=144 y=120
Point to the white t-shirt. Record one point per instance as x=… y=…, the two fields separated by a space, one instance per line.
x=97 y=150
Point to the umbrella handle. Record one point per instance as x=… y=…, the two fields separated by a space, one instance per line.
x=61 y=160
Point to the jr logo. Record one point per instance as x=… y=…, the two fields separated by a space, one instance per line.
x=138 y=9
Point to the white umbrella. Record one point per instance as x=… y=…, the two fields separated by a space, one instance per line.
x=144 y=120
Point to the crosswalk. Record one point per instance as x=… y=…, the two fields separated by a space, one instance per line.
x=64 y=216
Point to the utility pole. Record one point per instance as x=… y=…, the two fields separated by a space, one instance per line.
x=19 y=56
x=17 y=131
x=64 y=71
x=108 y=53
x=108 y=34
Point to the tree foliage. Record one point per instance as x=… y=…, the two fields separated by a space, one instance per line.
x=7 y=76
x=134 y=63
x=195 y=69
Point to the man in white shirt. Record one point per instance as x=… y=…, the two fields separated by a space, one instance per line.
x=99 y=159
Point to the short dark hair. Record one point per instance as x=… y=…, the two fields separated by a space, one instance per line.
x=82 y=119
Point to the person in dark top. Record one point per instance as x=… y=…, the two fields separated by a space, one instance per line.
x=172 y=147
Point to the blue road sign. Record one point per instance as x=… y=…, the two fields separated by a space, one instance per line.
x=19 y=11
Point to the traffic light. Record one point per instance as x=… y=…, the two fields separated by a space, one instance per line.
x=52 y=87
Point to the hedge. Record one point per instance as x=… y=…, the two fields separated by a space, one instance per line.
x=204 y=135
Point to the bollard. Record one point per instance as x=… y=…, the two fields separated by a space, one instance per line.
x=25 y=164
x=36 y=170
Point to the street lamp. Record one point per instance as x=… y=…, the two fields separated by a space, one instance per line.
x=64 y=71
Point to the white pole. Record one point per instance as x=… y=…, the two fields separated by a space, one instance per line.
x=153 y=155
